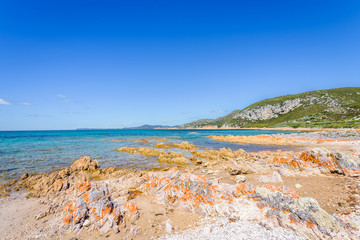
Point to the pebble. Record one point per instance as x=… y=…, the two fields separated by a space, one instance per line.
x=240 y=179
x=168 y=226
x=86 y=223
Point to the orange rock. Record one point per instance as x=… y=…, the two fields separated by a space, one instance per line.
x=83 y=187
x=131 y=206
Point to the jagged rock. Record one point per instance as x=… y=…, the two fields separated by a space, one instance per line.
x=95 y=203
x=184 y=145
x=24 y=176
x=199 y=161
x=309 y=209
x=238 y=170
x=240 y=179
x=177 y=160
x=64 y=173
x=220 y=154
x=41 y=214
x=305 y=210
x=316 y=161
x=106 y=227
x=84 y=163
x=169 y=157
x=286 y=172
x=269 y=111
x=58 y=185
x=350 y=163
x=132 y=211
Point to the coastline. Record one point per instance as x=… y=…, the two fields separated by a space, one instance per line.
x=233 y=178
x=269 y=128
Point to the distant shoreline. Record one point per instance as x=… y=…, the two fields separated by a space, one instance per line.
x=202 y=128
x=279 y=129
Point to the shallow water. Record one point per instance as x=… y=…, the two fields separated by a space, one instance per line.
x=41 y=151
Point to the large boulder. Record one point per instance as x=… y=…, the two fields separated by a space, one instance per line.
x=84 y=163
x=95 y=205
x=301 y=210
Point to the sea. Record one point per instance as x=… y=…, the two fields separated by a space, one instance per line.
x=44 y=151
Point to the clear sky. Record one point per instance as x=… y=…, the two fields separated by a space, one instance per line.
x=111 y=64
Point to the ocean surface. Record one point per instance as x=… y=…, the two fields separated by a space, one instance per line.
x=42 y=151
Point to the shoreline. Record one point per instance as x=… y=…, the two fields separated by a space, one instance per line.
x=150 y=203
x=269 y=128
x=334 y=140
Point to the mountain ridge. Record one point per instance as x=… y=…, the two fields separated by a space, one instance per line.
x=329 y=108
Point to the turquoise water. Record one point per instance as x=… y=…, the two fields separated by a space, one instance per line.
x=41 y=151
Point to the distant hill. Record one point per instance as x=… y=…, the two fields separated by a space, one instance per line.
x=150 y=127
x=331 y=108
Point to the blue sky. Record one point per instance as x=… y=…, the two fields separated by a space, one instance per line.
x=111 y=64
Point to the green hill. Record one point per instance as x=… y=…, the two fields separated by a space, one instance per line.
x=331 y=108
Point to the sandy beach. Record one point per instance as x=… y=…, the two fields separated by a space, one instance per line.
x=179 y=120
x=309 y=193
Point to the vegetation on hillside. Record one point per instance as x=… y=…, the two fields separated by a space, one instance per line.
x=331 y=108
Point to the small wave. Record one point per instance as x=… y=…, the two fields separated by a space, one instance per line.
x=7 y=170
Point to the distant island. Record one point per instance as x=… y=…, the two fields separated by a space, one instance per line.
x=146 y=126
x=151 y=127
x=331 y=108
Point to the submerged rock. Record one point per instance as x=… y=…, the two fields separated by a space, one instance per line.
x=169 y=157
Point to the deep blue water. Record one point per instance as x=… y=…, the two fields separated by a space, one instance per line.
x=40 y=151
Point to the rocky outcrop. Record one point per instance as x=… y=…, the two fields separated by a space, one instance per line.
x=269 y=111
x=274 y=177
x=84 y=163
x=184 y=145
x=326 y=108
x=94 y=209
x=83 y=202
x=325 y=161
x=276 y=206
x=221 y=154
x=284 y=202
x=168 y=157
x=82 y=170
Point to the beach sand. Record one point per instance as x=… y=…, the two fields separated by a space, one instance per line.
x=153 y=206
